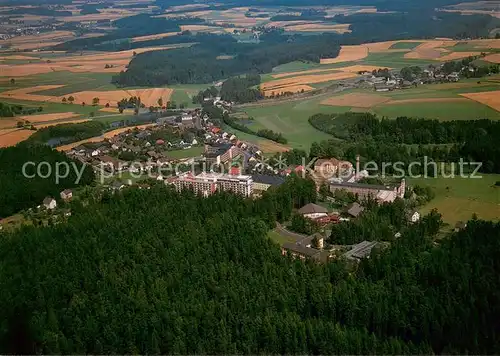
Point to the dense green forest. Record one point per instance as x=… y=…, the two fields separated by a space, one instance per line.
x=474 y=140
x=117 y=279
x=39 y=11
x=11 y=110
x=20 y=192
x=199 y=63
x=241 y=89
x=68 y=132
x=386 y=5
x=415 y=24
x=128 y=27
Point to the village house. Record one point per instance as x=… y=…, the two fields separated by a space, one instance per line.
x=362 y=250
x=262 y=182
x=308 y=247
x=413 y=216
x=66 y=194
x=49 y=203
x=330 y=167
x=355 y=210
x=460 y=225
x=313 y=211
x=382 y=193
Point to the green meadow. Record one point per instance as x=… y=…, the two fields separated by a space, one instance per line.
x=457 y=199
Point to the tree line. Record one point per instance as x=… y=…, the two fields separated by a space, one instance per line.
x=207 y=280
x=199 y=63
x=67 y=133
x=21 y=192
x=473 y=140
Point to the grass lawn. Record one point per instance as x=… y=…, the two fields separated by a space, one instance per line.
x=405 y=45
x=190 y=152
x=295 y=67
x=73 y=82
x=458 y=198
x=393 y=60
x=279 y=239
x=291 y=119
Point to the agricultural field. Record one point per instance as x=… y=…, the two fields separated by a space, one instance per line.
x=290 y=119
x=457 y=199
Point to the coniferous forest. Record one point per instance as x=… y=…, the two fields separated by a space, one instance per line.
x=155 y=271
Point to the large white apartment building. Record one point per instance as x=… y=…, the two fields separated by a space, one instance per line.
x=209 y=183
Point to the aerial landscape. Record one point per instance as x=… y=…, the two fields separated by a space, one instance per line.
x=249 y=176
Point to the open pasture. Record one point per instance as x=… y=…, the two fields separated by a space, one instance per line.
x=457 y=199
x=319 y=27
x=289 y=84
x=357 y=100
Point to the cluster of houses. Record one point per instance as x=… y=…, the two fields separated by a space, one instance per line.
x=313 y=246
x=394 y=81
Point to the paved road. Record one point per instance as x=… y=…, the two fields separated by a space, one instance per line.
x=289 y=234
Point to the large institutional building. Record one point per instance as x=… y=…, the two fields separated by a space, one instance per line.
x=209 y=183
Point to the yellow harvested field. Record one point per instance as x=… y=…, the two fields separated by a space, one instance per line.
x=426 y=100
x=202 y=28
x=490 y=98
x=347 y=54
x=97 y=17
x=458 y=55
x=305 y=79
x=224 y=57
x=200 y=14
x=272 y=147
x=492 y=43
x=343 y=28
x=153 y=37
x=88 y=63
x=361 y=68
x=25 y=93
x=288 y=23
x=188 y=7
x=358 y=100
x=47 y=117
x=493 y=58
x=149 y=97
x=18 y=58
x=430 y=49
x=13 y=137
x=54 y=123
x=350 y=69
x=304 y=72
x=11 y=122
x=287 y=89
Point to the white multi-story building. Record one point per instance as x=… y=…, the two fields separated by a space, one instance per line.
x=209 y=183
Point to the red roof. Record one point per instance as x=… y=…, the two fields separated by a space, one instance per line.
x=215 y=130
x=235 y=171
x=160 y=142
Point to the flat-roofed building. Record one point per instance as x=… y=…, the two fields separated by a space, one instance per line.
x=208 y=183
